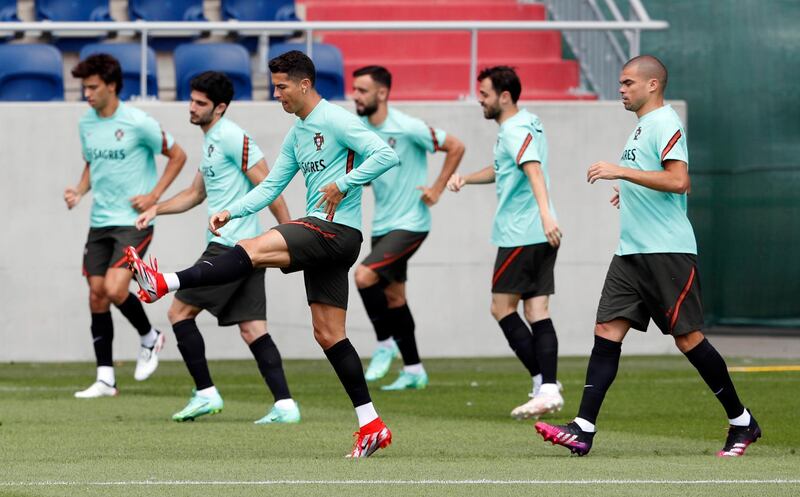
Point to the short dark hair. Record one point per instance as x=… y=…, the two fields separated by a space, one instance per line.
x=296 y=64
x=216 y=85
x=651 y=67
x=379 y=74
x=504 y=78
x=103 y=65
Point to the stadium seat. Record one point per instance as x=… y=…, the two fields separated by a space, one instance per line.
x=166 y=10
x=259 y=10
x=31 y=73
x=72 y=10
x=129 y=57
x=329 y=65
x=8 y=11
x=192 y=59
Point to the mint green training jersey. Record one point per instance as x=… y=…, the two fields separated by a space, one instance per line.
x=517 y=221
x=120 y=150
x=329 y=145
x=228 y=153
x=652 y=221
x=397 y=201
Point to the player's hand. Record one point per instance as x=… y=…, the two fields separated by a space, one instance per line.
x=71 y=197
x=429 y=195
x=217 y=221
x=603 y=170
x=551 y=230
x=143 y=202
x=456 y=182
x=143 y=221
x=615 y=199
x=331 y=196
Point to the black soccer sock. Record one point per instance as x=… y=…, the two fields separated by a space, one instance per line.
x=344 y=359
x=403 y=324
x=103 y=335
x=269 y=363
x=603 y=366
x=521 y=341
x=711 y=366
x=193 y=350
x=224 y=268
x=545 y=346
x=376 y=306
x=133 y=310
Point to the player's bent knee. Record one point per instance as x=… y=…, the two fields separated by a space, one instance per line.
x=180 y=311
x=687 y=342
x=251 y=331
x=365 y=277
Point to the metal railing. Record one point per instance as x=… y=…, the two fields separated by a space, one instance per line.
x=600 y=54
x=264 y=29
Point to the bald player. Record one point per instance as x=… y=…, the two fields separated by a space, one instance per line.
x=653 y=274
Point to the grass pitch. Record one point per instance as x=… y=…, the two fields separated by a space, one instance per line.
x=659 y=431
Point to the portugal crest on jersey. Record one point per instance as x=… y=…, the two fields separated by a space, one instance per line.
x=118 y=134
x=638 y=132
x=210 y=150
x=391 y=141
x=319 y=140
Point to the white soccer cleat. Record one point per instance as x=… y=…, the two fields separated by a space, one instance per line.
x=544 y=402
x=147 y=362
x=98 y=389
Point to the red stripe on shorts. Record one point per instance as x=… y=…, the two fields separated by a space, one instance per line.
x=505 y=264
x=681 y=298
x=139 y=248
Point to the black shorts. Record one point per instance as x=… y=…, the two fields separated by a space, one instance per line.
x=525 y=271
x=105 y=247
x=661 y=287
x=232 y=303
x=391 y=252
x=324 y=251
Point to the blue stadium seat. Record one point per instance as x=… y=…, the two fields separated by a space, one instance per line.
x=31 y=73
x=328 y=62
x=259 y=10
x=72 y=10
x=229 y=58
x=8 y=11
x=166 y=10
x=129 y=57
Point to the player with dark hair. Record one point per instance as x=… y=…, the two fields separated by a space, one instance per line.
x=401 y=223
x=232 y=163
x=119 y=147
x=653 y=274
x=337 y=155
x=526 y=233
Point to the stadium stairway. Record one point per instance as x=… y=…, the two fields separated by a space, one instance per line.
x=434 y=65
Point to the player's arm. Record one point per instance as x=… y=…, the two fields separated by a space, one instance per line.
x=378 y=158
x=186 y=199
x=176 y=158
x=278 y=208
x=674 y=178
x=265 y=192
x=480 y=177
x=73 y=194
x=454 y=150
x=533 y=170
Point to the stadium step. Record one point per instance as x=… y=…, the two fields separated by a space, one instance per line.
x=533 y=45
x=431 y=10
x=445 y=79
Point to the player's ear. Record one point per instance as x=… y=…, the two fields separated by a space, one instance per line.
x=305 y=84
x=221 y=108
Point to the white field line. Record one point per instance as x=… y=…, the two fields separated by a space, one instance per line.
x=55 y=483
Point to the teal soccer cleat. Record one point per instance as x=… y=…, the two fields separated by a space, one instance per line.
x=381 y=362
x=278 y=415
x=199 y=405
x=408 y=381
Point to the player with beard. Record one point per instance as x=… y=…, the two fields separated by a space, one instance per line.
x=232 y=164
x=526 y=233
x=401 y=223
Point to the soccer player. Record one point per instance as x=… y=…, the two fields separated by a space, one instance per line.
x=526 y=233
x=119 y=147
x=337 y=155
x=401 y=223
x=232 y=163
x=653 y=274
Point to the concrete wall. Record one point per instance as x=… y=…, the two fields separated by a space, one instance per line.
x=43 y=297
